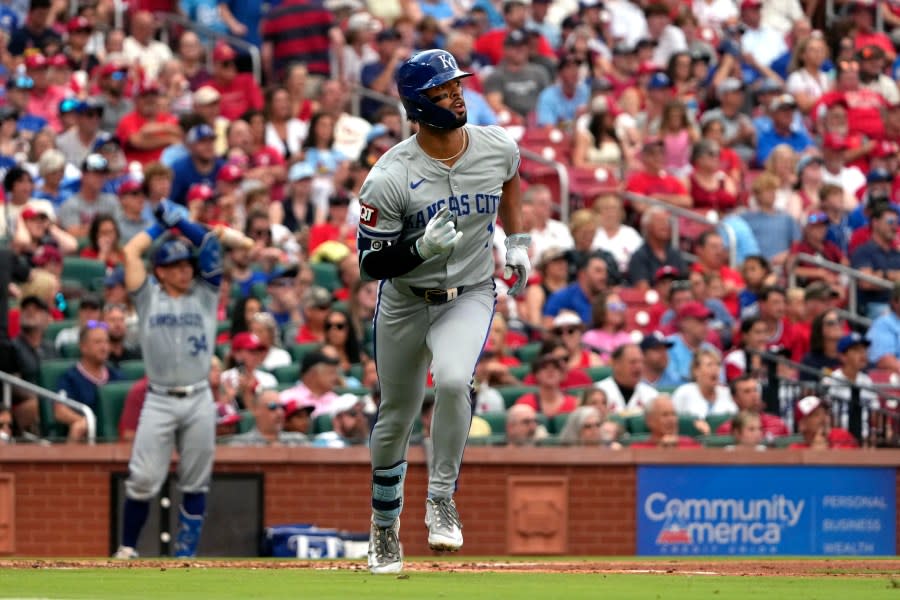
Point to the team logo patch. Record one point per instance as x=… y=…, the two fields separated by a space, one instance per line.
x=368 y=215
x=376 y=245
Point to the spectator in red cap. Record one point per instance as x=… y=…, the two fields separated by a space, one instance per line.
x=297 y=416
x=141 y=48
x=864 y=106
x=36 y=33
x=244 y=378
x=80 y=58
x=662 y=421
x=229 y=179
x=813 y=421
x=692 y=322
x=239 y=91
x=45 y=98
x=862 y=13
x=37 y=228
x=201 y=202
x=318 y=377
x=872 y=62
x=147 y=130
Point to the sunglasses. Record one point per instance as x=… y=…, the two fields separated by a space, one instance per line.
x=92 y=324
x=596 y=425
x=832 y=322
x=95 y=162
x=68 y=105
x=273 y=406
x=305 y=281
x=891 y=220
x=817 y=218
x=616 y=306
x=338 y=326
x=118 y=76
x=566 y=330
x=556 y=362
x=282 y=282
x=227 y=63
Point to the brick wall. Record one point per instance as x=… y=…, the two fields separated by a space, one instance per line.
x=62 y=493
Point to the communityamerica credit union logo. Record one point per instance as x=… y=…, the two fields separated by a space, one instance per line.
x=722 y=521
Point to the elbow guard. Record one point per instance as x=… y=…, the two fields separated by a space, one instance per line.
x=393 y=261
x=209 y=259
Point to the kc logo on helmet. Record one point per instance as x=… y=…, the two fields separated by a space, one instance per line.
x=448 y=61
x=368 y=215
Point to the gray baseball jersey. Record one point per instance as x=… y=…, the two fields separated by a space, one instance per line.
x=178 y=335
x=406 y=188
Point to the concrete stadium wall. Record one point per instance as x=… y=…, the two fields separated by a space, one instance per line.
x=55 y=501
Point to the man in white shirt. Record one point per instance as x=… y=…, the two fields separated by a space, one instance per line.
x=628 y=23
x=624 y=389
x=853 y=349
x=141 y=47
x=835 y=171
x=759 y=44
x=537 y=206
x=669 y=39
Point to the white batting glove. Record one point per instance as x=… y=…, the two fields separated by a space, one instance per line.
x=440 y=235
x=517 y=261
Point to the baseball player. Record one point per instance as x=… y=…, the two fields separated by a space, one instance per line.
x=428 y=213
x=177 y=322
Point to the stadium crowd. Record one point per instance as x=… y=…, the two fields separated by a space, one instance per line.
x=761 y=137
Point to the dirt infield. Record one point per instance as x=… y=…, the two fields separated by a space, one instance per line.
x=690 y=567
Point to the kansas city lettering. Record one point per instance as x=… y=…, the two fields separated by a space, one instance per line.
x=172 y=320
x=461 y=206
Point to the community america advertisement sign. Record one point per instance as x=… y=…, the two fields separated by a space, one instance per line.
x=736 y=510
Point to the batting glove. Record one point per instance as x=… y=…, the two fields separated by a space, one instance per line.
x=169 y=214
x=517 y=261
x=440 y=235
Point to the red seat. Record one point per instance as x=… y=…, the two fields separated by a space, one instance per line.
x=638 y=298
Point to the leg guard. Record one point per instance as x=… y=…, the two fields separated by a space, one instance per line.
x=387 y=493
x=189 y=527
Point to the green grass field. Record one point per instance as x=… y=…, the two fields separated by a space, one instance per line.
x=237 y=583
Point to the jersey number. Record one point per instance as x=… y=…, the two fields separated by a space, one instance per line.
x=490 y=229
x=198 y=344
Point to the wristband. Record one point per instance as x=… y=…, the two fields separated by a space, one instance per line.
x=155 y=231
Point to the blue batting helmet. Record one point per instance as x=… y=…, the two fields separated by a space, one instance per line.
x=423 y=71
x=171 y=251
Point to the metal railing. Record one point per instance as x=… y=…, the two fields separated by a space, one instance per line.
x=209 y=37
x=831 y=13
x=561 y=172
x=9 y=381
x=359 y=92
x=854 y=276
x=690 y=215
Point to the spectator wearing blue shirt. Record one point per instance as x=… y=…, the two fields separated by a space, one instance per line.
x=879 y=184
x=242 y=18
x=82 y=381
x=378 y=75
x=878 y=258
x=656 y=361
x=200 y=166
x=744 y=240
x=884 y=335
x=783 y=129
x=559 y=104
x=774 y=230
x=478 y=111
x=693 y=328
x=590 y=283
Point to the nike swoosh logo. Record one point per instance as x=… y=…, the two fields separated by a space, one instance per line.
x=413 y=186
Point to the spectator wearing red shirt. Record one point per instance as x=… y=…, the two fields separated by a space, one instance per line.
x=574 y=376
x=336 y=227
x=653 y=179
x=315 y=305
x=549 y=400
x=497 y=342
x=711 y=257
x=45 y=98
x=662 y=421
x=773 y=311
x=146 y=131
x=746 y=393
x=515 y=14
x=813 y=420
x=711 y=187
x=131 y=412
x=862 y=13
x=238 y=91
x=815 y=244
x=297 y=31
x=864 y=106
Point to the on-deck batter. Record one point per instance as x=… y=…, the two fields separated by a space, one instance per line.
x=177 y=321
x=428 y=211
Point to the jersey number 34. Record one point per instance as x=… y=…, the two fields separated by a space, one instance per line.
x=198 y=344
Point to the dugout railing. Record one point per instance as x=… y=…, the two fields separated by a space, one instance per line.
x=11 y=382
x=853 y=276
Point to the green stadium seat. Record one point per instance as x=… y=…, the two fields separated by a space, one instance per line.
x=497 y=421
x=715 y=421
x=786 y=440
x=72 y=305
x=222 y=350
x=286 y=385
x=223 y=326
x=579 y=391
x=716 y=441
x=85 y=271
x=528 y=352
x=520 y=372
x=70 y=350
x=326 y=275
x=247 y=422
x=635 y=438
x=557 y=423
x=322 y=424
x=686 y=426
x=287 y=374
x=109 y=409
x=356 y=371
x=636 y=424
x=52 y=369
x=298 y=351
x=342 y=306
x=55 y=327
x=598 y=373
x=511 y=393
x=495 y=439
x=550 y=441
x=131 y=369
x=358 y=391
x=50 y=429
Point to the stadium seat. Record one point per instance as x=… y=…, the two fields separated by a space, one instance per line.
x=635 y=438
x=528 y=352
x=87 y=272
x=298 y=351
x=356 y=371
x=70 y=351
x=357 y=391
x=715 y=421
x=342 y=306
x=110 y=403
x=511 y=393
x=223 y=326
x=520 y=372
x=287 y=374
x=322 y=424
x=50 y=429
x=786 y=440
x=636 y=425
x=55 y=327
x=132 y=369
x=716 y=441
x=326 y=275
x=222 y=350
x=247 y=422
x=686 y=426
x=52 y=369
x=598 y=373
x=497 y=421
x=557 y=423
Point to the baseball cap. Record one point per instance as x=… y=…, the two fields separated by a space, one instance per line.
x=623 y=49
x=550 y=254
x=199 y=133
x=388 y=35
x=288 y=272
x=601 y=84
x=362 y=21
x=343 y=403
x=78 y=23
x=782 y=101
x=870 y=52
x=311 y=359
x=199 y=191
x=300 y=170
x=223 y=52
x=36 y=61
x=293 y=406
x=130 y=185
x=850 y=340
x=833 y=141
x=731 y=84
x=748 y=4
x=655 y=340
x=516 y=37
x=599 y=105
x=318 y=296
x=111 y=68
x=33 y=301
x=106 y=142
x=206 y=95
x=45 y=255
x=226 y=414
x=806 y=405
x=95 y=163
x=230 y=173
x=694 y=310
x=817 y=218
x=807 y=160
x=34 y=211
x=819 y=290
x=247 y=341
x=567 y=317
x=769 y=86
x=884 y=149
x=659 y=81
x=645 y=43
x=58 y=61
x=879 y=175
x=114 y=277
x=666 y=271
x=377 y=130
x=91 y=301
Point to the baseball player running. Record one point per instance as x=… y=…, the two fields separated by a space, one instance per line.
x=177 y=320
x=428 y=212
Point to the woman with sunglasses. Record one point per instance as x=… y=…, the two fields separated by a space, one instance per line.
x=339 y=335
x=827 y=330
x=607 y=330
x=586 y=427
